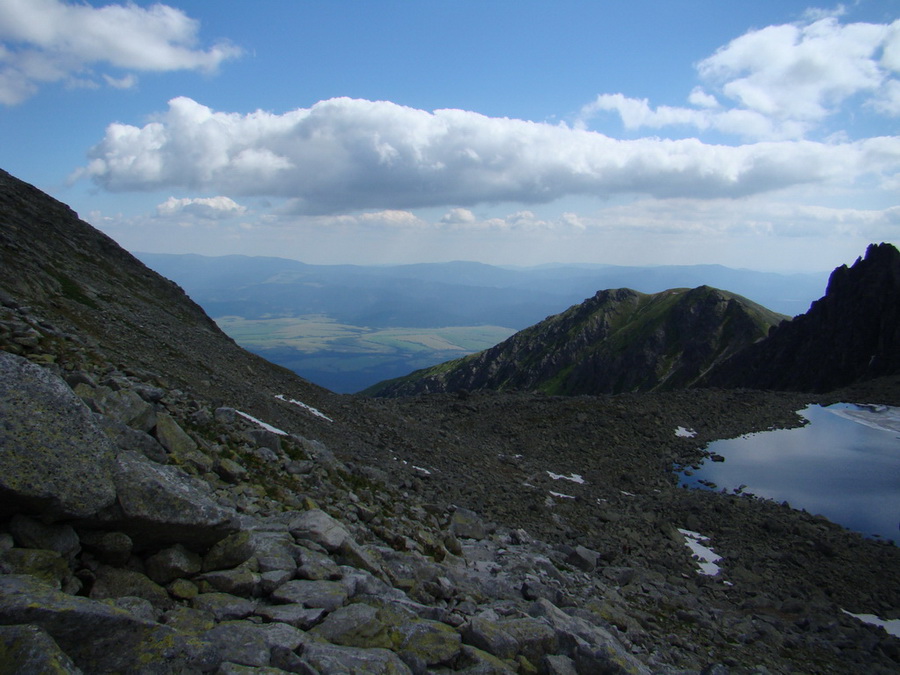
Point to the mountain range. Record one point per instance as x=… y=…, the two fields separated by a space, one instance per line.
x=375 y=323
x=172 y=503
x=621 y=340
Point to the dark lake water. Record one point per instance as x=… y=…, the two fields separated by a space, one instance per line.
x=844 y=465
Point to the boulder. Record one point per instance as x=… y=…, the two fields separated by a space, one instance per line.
x=593 y=648
x=467 y=524
x=240 y=642
x=330 y=659
x=30 y=533
x=98 y=637
x=30 y=649
x=54 y=459
x=328 y=595
x=161 y=505
x=317 y=526
x=172 y=563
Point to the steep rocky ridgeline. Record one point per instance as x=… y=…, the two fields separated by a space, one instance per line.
x=617 y=341
x=849 y=336
x=172 y=504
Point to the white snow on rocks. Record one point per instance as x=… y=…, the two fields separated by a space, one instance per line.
x=575 y=478
x=892 y=626
x=422 y=469
x=706 y=557
x=267 y=427
x=560 y=495
x=309 y=408
x=682 y=432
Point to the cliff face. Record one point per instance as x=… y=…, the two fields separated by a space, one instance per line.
x=849 y=336
x=617 y=341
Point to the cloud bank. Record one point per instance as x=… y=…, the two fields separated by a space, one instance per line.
x=347 y=154
x=45 y=41
x=780 y=81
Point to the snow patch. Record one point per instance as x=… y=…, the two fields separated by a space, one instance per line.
x=560 y=495
x=267 y=427
x=681 y=432
x=423 y=470
x=881 y=417
x=892 y=626
x=706 y=557
x=308 y=408
x=575 y=478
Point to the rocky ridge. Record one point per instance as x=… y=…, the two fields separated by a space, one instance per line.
x=848 y=336
x=173 y=530
x=617 y=341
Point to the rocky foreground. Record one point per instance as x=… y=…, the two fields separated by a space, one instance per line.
x=146 y=528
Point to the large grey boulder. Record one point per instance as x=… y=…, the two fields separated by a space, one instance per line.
x=336 y=660
x=100 y=638
x=54 y=459
x=161 y=505
x=29 y=649
x=593 y=648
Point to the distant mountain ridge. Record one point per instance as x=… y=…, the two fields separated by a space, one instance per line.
x=617 y=341
x=446 y=294
x=624 y=341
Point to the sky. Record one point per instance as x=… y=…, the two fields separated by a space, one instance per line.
x=761 y=135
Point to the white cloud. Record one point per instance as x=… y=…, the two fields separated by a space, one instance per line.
x=208 y=208
x=47 y=41
x=458 y=217
x=782 y=81
x=346 y=154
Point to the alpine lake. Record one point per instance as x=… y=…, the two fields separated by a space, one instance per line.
x=843 y=464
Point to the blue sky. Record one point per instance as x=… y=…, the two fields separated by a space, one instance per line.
x=760 y=135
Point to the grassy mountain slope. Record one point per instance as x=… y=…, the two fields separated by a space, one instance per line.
x=617 y=341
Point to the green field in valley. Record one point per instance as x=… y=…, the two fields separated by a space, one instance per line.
x=348 y=358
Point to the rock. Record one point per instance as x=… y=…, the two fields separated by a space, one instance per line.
x=128 y=407
x=593 y=648
x=356 y=625
x=478 y=662
x=230 y=471
x=431 y=642
x=317 y=526
x=172 y=437
x=330 y=659
x=112 y=582
x=54 y=459
x=294 y=614
x=467 y=524
x=30 y=533
x=160 y=505
x=328 y=595
x=489 y=636
x=224 y=607
x=48 y=566
x=534 y=638
x=231 y=551
x=112 y=548
x=172 y=563
x=583 y=558
x=316 y=566
x=240 y=642
x=30 y=649
x=97 y=637
x=239 y=581
x=127 y=438
x=558 y=664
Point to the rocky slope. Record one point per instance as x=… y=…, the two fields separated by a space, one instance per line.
x=851 y=335
x=617 y=341
x=169 y=529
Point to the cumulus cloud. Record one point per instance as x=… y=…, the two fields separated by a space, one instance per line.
x=346 y=154
x=781 y=81
x=44 y=41
x=207 y=208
